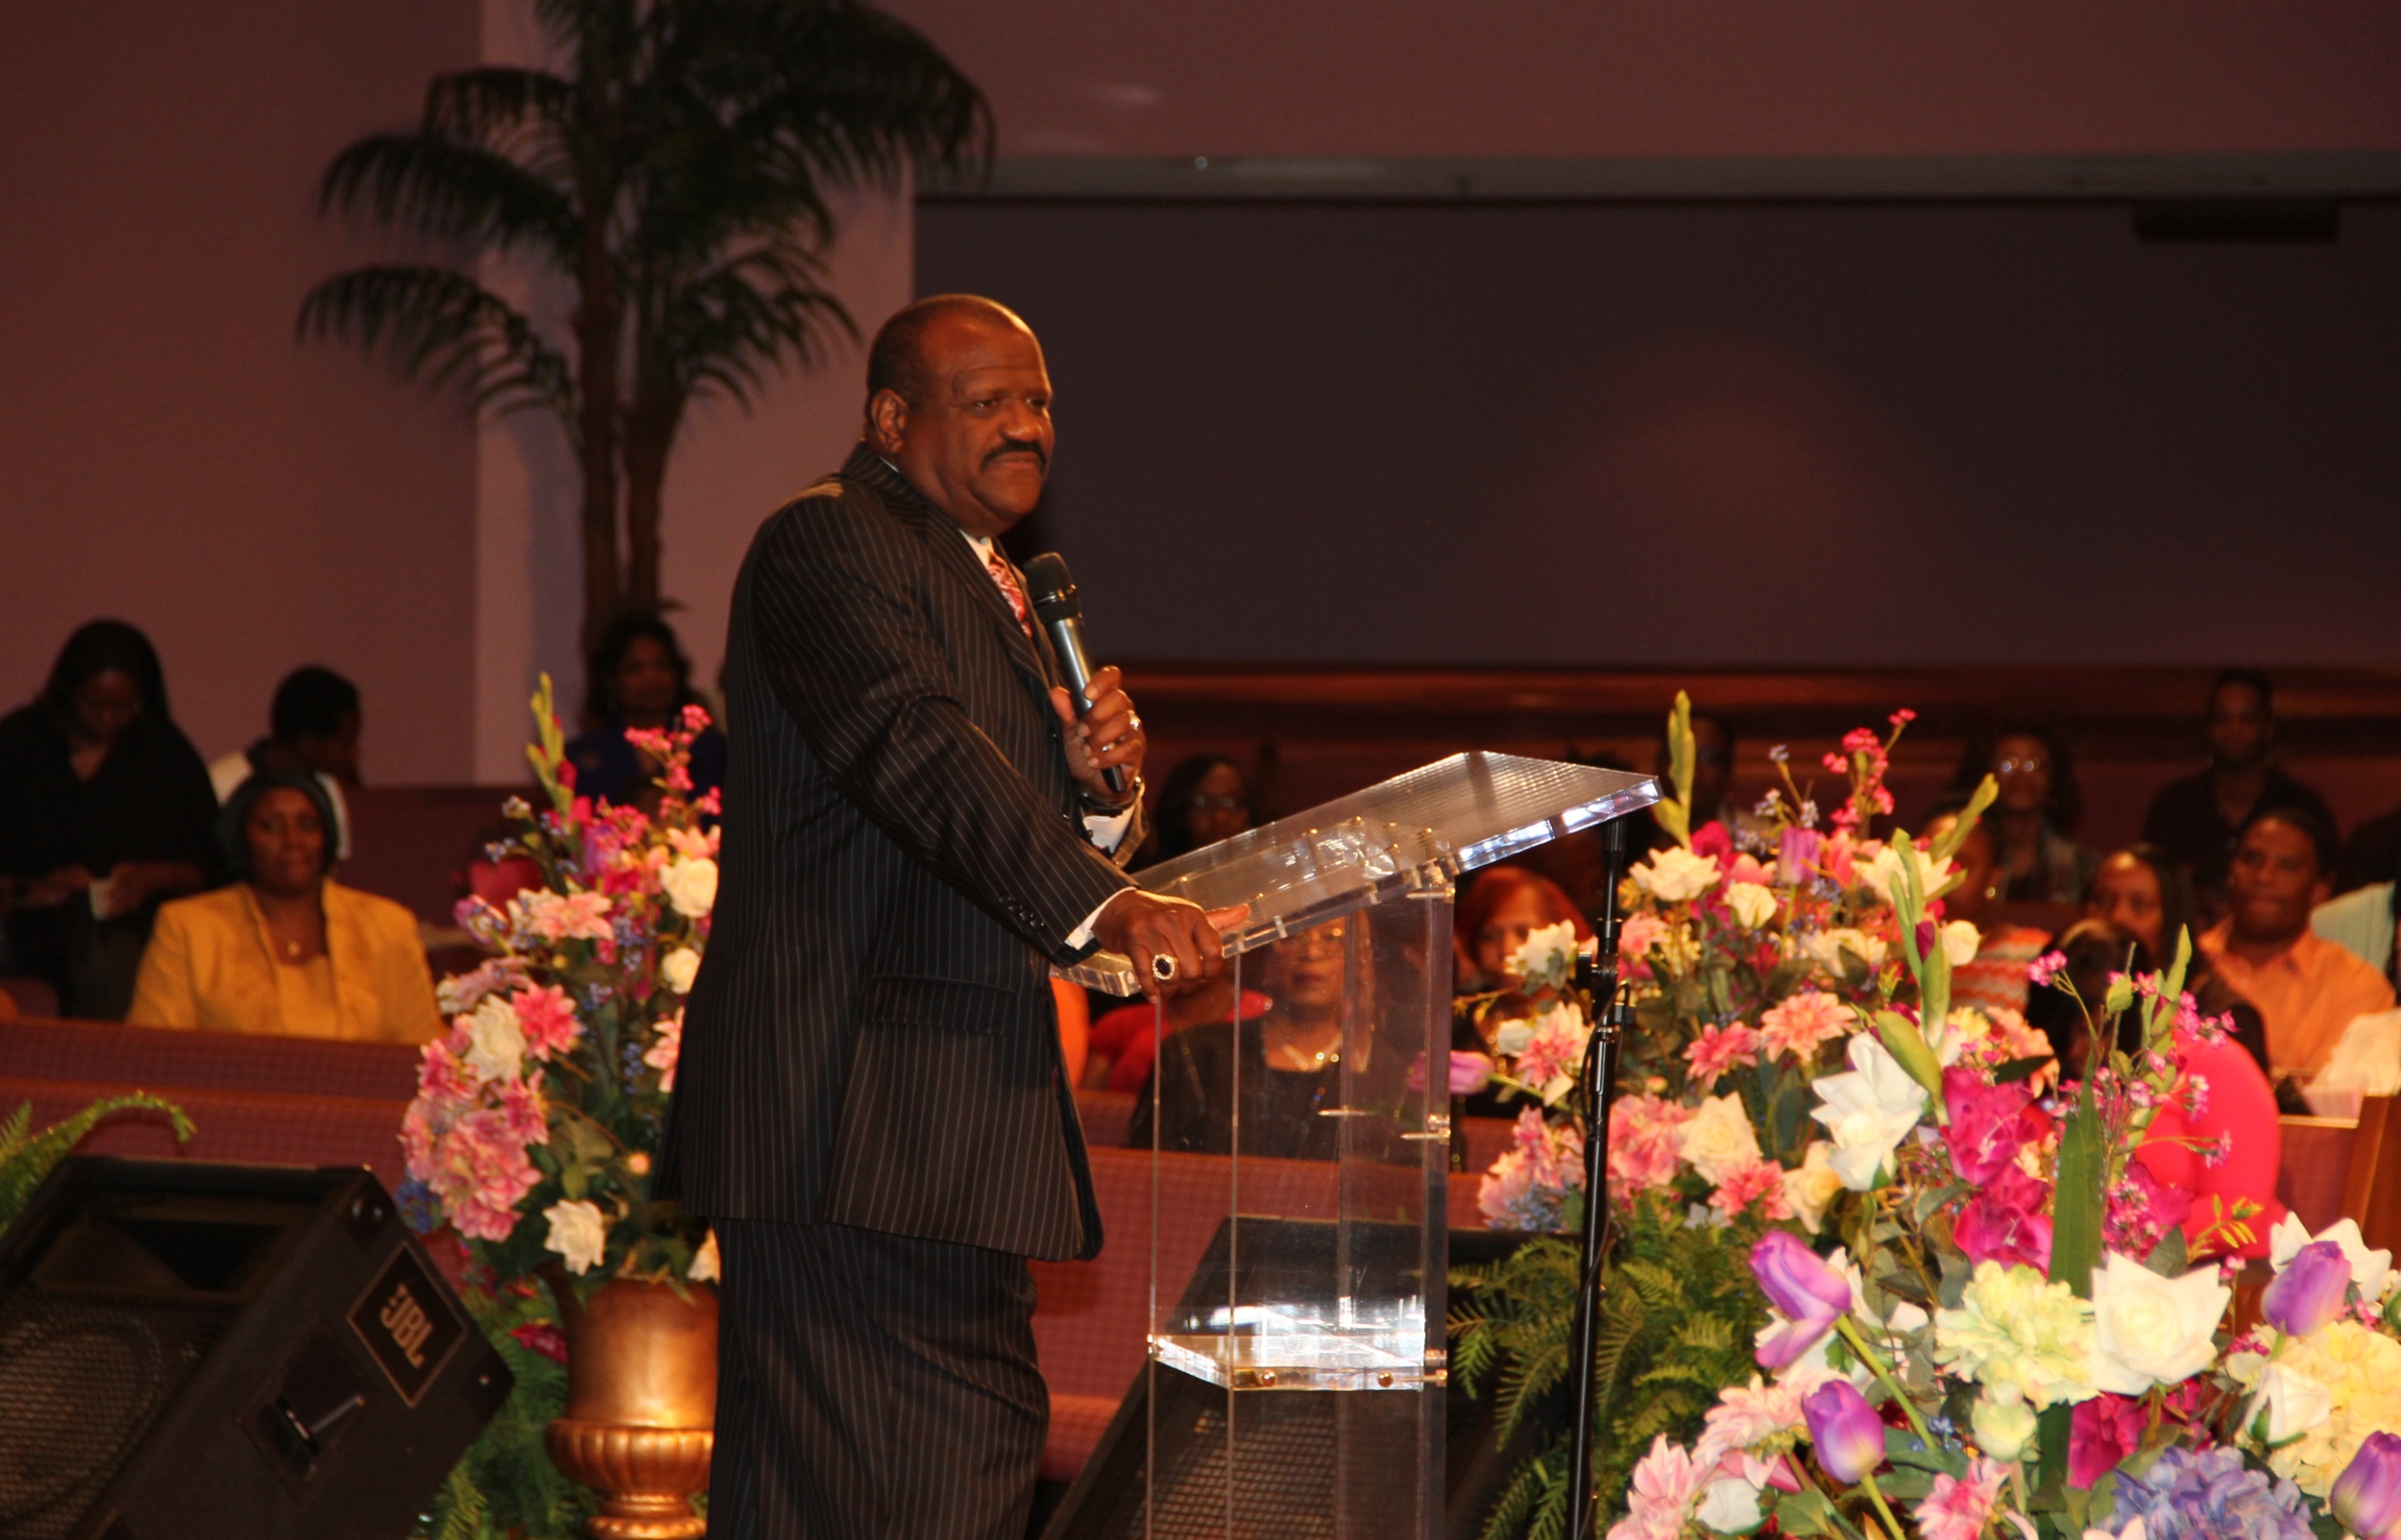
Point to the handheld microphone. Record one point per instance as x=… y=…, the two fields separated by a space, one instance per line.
x=1053 y=594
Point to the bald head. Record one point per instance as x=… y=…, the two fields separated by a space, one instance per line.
x=897 y=361
x=959 y=401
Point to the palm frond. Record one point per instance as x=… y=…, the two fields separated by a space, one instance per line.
x=724 y=330
x=453 y=191
x=444 y=330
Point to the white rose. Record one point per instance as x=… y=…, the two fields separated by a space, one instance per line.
x=1960 y=942
x=1718 y=1137
x=704 y=1262
x=2371 y=1270
x=2150 y=1330
x=496 y=1044
x=691 y=884
x=1827 y=947
x=677 y=970
x=2003 y=1422
x=1675 y=873
x=1731 y=1505
x=1809 y=1189
x=2292 y=1402
x=1753 y=904
x=1883 y=873
x=1548 y=955
x=1868 y=1111
x=1512 y=1038
x=578 y=1233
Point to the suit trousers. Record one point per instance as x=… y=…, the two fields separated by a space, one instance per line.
x=872 y=1386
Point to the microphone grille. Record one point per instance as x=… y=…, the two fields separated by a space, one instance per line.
x=1048 y=586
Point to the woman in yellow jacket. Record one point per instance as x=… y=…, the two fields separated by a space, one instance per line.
x=284 y=949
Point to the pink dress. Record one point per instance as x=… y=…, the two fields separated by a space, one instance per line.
x=2241 y=1106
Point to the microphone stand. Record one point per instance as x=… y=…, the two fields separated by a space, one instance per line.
x=1598 y=975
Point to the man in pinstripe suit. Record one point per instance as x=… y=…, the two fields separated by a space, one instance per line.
x=871 y=1103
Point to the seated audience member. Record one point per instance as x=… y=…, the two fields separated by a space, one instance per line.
x=2196 y=820
x=106 y=812
x=2307 y=990
x=1504 y=905
x=2237 y=1107
x=640 y=678
x=284 y=950
x=1125 y=1038
x=313 y=727
x=1205 y=799
x=1290 y=1061
x=2140 y=891
x=2032 y=821
x=1994 y=979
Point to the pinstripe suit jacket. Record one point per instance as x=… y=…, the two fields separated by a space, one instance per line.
x=871 y=1041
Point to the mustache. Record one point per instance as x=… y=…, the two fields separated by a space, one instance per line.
x=1019 y=447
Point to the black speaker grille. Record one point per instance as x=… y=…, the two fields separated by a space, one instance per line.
x=80 y=1381
x=1284 y=1457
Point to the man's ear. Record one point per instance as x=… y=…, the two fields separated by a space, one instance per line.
x=887 y=420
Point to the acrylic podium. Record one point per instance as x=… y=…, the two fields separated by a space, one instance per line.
x=1300 y=1359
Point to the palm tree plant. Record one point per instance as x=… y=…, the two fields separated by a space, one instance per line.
x=677 y=172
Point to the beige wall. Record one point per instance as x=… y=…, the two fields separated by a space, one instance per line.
x=172 y=455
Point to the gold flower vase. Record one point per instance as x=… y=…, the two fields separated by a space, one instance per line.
x=642 y=1392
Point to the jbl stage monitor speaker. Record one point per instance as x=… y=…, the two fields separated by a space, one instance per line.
x=193 y=1352
x=1286 y=1442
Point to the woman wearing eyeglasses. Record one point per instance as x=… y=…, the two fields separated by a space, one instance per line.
x=1206 y=799
x=2037 y=859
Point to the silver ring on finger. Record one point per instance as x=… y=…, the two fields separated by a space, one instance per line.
x=1164 y=970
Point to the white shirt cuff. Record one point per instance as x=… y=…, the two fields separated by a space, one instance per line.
x=1107 y=830
x=1081 y=936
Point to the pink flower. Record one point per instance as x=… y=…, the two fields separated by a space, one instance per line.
x=1636 y=937
x=1556 y=1048
x=1720 y=1048
x=542 y=1338
x=1747 y=1184
x=1989 y=1125
x=2102 y=1432
x=1803 y=1023
x=563 y=916
x=1711 y=839
x=479 y=1173
x=1642 y=1143
x=1660 y=1497
x=669 y=1047
x=1527 y=1187
x=2044 y=968
x=2003 y=1222
x=441 y=1079
x=548 y=1021
x=1958 y=1509
x=528 y=1121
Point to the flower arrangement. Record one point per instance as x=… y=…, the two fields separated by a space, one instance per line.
x=537 y=1119
x=1970 y=1309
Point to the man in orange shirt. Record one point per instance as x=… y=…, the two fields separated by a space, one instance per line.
x=2307 y=989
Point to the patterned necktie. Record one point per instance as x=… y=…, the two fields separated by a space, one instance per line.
x=998 y=566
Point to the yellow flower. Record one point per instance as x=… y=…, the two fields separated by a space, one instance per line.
x=2361 y=1369
x=2020 y=1334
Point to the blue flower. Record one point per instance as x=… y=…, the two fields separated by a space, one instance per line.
x=2209 y=1495
x=417 y=1208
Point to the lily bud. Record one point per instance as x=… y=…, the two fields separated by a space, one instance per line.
x=2367 y=1497
x=1845 y=1429
x=2309 y=1292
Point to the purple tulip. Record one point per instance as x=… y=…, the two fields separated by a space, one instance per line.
x=1469 y=1074
x=1796 y=853
x=2308 y=1293
x=1848 y=1436
x=2367 y=1497
x=1810 y=1295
